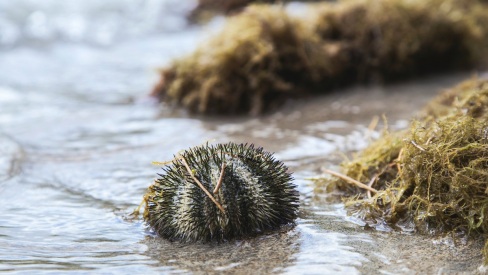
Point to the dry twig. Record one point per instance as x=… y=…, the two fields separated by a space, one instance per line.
x=350 y=180
x=221 y=178
x=183 y=161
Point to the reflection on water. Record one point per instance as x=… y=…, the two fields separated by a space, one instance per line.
x=262 y=255
x=77 y=138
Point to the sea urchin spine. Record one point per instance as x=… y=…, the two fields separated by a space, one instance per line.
x=221 y=192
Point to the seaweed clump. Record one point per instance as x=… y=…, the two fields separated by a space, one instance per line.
x=393 y=39
x=432 y=179
x=263 y=56
x=259 y=59
x=252 y=193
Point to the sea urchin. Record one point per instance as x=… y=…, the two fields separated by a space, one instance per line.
x=221 y=192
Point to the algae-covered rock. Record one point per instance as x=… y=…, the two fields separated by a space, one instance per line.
x=433 y=178
x=264 y=56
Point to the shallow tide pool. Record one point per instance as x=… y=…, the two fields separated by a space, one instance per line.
x=78 y=136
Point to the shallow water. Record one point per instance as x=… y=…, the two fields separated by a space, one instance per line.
x=78 y=135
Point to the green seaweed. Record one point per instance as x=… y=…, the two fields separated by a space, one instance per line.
x=432 y=178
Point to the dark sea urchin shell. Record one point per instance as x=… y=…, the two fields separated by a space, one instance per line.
x=256 y=194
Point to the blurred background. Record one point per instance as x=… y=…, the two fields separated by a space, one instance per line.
x=78 y=133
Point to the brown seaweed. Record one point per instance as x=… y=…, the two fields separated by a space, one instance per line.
x=260 y=58
x=263 y=56
x=434 y=177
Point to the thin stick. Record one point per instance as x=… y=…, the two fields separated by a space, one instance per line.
x=350 y=180
x=373 y=123
x=429 y=140
x=161 y=163
x=372 y=126
x=417 y=146
x=371 y=184
x=221 y=178
x=200 y=184
x=399 y=158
